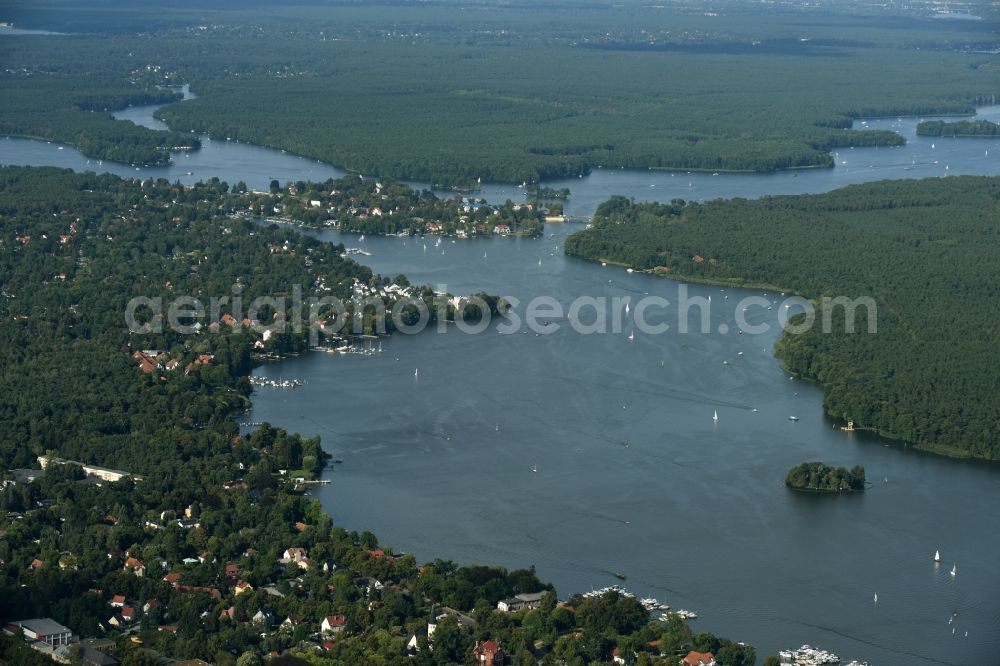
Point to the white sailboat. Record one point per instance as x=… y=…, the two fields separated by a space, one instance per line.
x=937 y=555
x=954 y=569
x=362 y=238
x=626 y=309
x=715 y=416
x=876 y=597
x=631 y=336
x=416 y=372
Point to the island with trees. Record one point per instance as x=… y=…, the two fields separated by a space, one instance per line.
x=961 y=128
x=925 y=251
x=821 y=478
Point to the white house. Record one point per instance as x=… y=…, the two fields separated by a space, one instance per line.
x=333 y=624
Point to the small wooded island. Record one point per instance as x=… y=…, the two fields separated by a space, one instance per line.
x=975 y=128
x=822 y=478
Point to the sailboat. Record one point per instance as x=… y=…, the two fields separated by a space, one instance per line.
x=715 y=416
x=416 y=372
x=534 y=469
x=626 y=309
x=631 y=336
x=484 y=255
x=937 y=555
x=539 y=262
x=362 y=238
x=876 y=597
x=954 y=569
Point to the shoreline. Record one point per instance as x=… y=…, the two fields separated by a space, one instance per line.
x=941 y=450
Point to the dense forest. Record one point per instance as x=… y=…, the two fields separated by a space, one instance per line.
x=74 y=110
x=212 y=548
x=983 y=128
x=513 y=94
x=926 y=252
x=818 y=477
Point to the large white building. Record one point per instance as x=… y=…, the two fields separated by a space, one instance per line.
x=45 y=630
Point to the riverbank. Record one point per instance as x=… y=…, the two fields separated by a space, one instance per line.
x=808 y=242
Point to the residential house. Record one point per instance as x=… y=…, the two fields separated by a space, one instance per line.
x=413 y=645
x=291 y=622
x=263 y=618
x=368 y=585
x=242 y=587
x=118 y=621
x=333 y=624
x=488 y=653
x=135 y=566
x=118 y=601
x=698 y=659
x=461 y=619
x=294 y=554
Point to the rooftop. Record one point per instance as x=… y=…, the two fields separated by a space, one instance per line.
x=43 y=626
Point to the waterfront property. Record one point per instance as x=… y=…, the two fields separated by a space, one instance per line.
x=521 y=602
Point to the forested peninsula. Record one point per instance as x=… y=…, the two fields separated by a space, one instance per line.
x=75 y=111
x=927 y=252
x=203 y=547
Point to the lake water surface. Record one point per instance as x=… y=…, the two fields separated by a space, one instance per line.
x=633 y=474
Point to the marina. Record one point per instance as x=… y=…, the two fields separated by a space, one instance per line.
x=275 y=383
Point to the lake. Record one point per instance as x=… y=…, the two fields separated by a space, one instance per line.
x=585 y=455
